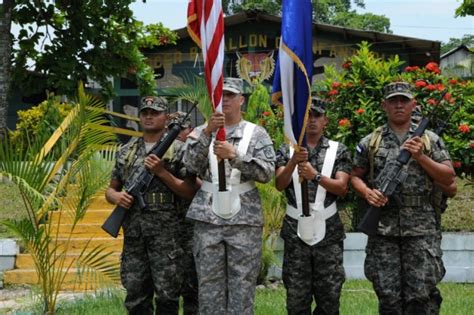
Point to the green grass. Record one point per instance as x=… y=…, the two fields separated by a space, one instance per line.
x=357 y=298
x=11 y=206
x=459 y=215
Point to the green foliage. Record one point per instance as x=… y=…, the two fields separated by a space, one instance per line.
x=356 y=93
x=194 y=91
x=467 y=40
x=466 y=8
x=39 y=122
x=366 y=21
x=72 y=41
x=335 y=12
x=66 y=186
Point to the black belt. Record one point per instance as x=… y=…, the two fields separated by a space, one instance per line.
x=159 y=198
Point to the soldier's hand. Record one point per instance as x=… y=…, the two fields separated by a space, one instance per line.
x=216 y=121
x=224 y=150
x=306 y=170
x=375 y=198
x=154 y=164
x=123 y=199
x=415 y=147
x=300 y=156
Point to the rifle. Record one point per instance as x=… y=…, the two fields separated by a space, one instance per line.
x=138 y=188
x=387 y=182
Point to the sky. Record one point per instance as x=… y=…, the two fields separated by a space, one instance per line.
x=424 y=19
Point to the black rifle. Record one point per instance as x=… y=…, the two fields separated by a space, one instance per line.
x=387 y=182
x=138 y=188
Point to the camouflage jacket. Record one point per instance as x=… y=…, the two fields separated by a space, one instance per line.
x=415 y=216
x=157 y=217
x=257 y=165
x=343 y=163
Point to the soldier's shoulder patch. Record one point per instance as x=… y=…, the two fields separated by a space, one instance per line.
x=360 y=148
x=269 y=152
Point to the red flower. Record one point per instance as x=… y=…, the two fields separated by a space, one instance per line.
x=420 y=84
x=335 y=85
x=266 y=114
x=432 y=102
x=360 y=111
x=346 y=65
x=447 y=96
x=350 y=84
x=430 y=87
x=332 y=92
x=457 y=164
x=433 y=67
x=411 y=69
x=464 y=128
x=344 y=122
x=453 y=81
x=440 y=86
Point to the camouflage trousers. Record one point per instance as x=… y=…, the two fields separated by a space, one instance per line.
x=227 y=263
x=151 y=266
x=189 y=286
x=404 y=272
x=310 y=271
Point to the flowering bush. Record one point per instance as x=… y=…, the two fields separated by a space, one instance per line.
x=356 y=91
x=39 y=121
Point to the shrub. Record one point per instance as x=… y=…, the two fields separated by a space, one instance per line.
x=39 y=122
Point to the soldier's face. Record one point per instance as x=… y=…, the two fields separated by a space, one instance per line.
x=398 y=109
x=153 y=121
x=316 y=123
x=232 y=102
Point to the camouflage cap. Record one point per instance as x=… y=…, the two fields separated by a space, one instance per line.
x=234 y=85
x=157 y=103
x=178 y=116
x=397 y=88
x=318 y=105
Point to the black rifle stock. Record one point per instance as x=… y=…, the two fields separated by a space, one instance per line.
x=387 y=182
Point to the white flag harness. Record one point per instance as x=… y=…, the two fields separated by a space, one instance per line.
x=226 y=204
x=312 y=229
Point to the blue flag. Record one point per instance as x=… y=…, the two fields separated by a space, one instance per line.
x=293 y=72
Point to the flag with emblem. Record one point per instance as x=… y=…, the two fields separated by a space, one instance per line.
x=293 y=73
x=206 y=28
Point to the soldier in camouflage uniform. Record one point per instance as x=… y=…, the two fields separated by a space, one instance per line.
x=151 y=257
x=227 y=250
x=403 y=259
x=313 y=271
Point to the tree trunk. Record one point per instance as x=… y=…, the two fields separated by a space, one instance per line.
x=5 y=61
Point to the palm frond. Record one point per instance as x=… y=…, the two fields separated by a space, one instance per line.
x=194 y=91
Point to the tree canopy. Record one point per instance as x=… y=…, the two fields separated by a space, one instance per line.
x=466 y=8
x=467 y=39
x=65 y=41
x=335 y=12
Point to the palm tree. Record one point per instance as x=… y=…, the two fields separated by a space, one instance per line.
x=62 y=180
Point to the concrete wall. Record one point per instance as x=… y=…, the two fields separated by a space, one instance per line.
x=458 y=256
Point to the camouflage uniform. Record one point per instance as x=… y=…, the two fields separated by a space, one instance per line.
x=404 y=259
x=228 y=251
x=314 y=271
x=151 y=257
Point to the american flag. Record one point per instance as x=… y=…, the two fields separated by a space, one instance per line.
x=206 y=28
